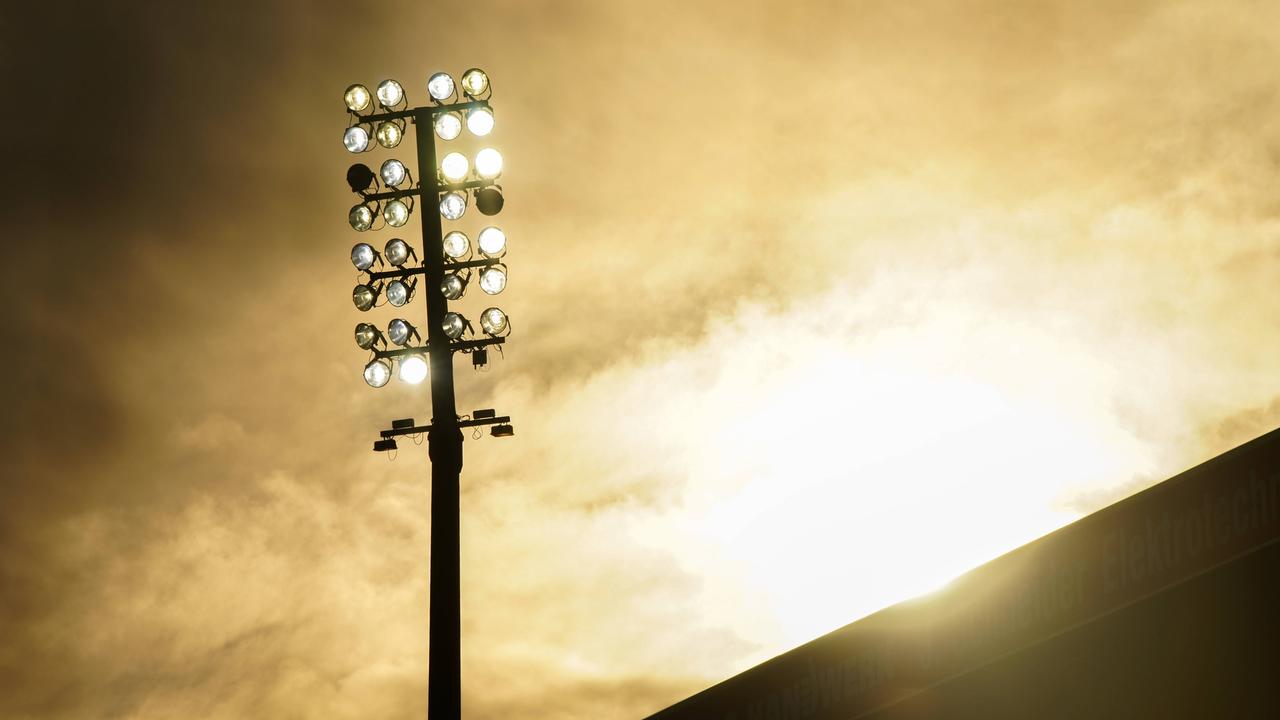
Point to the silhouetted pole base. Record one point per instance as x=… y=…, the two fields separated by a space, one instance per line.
x=444 y=673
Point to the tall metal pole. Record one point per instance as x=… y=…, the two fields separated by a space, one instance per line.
x=444 y=441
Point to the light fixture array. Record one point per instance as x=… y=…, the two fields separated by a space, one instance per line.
x=387 y=198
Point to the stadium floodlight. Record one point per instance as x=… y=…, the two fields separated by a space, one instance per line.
x=396 y=213
x=488 y=163
x=456 y=245
x=356 y=138
x=367 y=336
x=390 y=94
x=397 y=252
x=413 y=369
x=363 y=256
x=492 y=242
x=452 y=286
x=399 y=292
x=359 y=177
x=393 y=173
x=480 y=121
x=489 y=201
x=455 y=167
x=364 y=296
x=494 y=322
x=377 y=373
x=474 y=82
x=493 y=279
x=453 y=205
x=357 y=98
x=401 y=332
x=454 y=325
x=448 y=126
x=389 y=134
x=440 y=87
x=360 y=217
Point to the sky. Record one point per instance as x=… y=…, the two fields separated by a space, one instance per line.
x=815 y=305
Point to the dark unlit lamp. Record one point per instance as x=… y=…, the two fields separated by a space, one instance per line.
x=384 y=445
x=359 y=177
x=489 y=201
x=503 y=430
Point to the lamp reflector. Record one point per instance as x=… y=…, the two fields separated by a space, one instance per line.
x=488 y=163
x=366 y=336
x=396 y=213
x=452 y=286
x=492 y=242
x=456 y=245
x=377 y=373
x=413 y=369
x=356 y=97
x=363 y=297
x=474 y=82
x=440 y=86
x=453 y=205
x=396 y=251
x=399 y=293
x=448 y=126
x=400 y=331
x=389 y=134
x=360 y=218
x=390 y=93
x=480 y=121
x=363 y=255
x=493 y=321
x=455 y=167
x=453 y=325
x=493 y=280
x=356 y=139
x=393 y=173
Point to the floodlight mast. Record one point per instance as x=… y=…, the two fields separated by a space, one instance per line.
x=444 y=433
